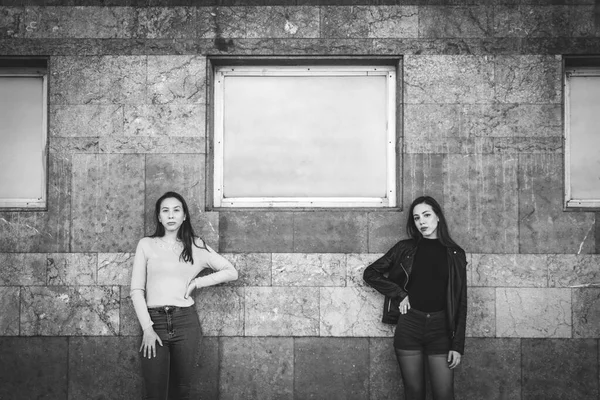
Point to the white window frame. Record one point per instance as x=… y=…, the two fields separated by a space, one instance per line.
x=570 y=202
x=41 y=201
x=390 y=200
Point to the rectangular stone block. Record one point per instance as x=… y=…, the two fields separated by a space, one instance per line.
x=85 y=120
x=81 y=22
x=70 y=311
x=33 y=368
x=423 y=176
x=427 y=126
x=355 y=267
x=257 y=368
x=574 y=361
x=170 y=22
x=107 y=202
x=511 y=120
x=513 y=270
x=309 y=269
x=176 y=79
x=254 y=269
x=543 y=225
x=573 y=270
x=352 y=311
x=115 y=268
x=98 y=80
x=331 y=368
x=281 y=311
x=370 y=22
x=481 y=312
x=9 y=311
x=22 y=269
x=151 y=144
x=523 y=145
x=533 y=313
x=385 y=230
x=128 y=322
x=221 y=310
x=384 y=373
x=72 y=269
x=185 y=120
x=448 y=79
x=481 y=205
x=529 y=79
x=330 y=232
x=205 y=383
x=533 y=21
x=490 y=369
x=586 y=313
x=455 y=21
x=255 y=231
x=104 y=367
x=181 y=173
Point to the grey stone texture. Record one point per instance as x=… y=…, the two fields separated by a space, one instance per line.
x=480 y=109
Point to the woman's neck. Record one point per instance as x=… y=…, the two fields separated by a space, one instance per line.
x=170 y=236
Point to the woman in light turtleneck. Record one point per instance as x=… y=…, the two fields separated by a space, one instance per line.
x=424 y=281
x=165 y=273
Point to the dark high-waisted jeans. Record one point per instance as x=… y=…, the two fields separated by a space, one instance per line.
x=170 y=372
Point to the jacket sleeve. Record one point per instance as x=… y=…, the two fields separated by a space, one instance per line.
x=458 y=342
x=375 y=275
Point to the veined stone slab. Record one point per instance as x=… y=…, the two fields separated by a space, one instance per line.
x=22 y=269
x=448 y=79
x=170 y=22
x=257 y=368
x=481 y=312
x=557 y=369
x=297 y=269
x=355 y=267
x=533 y=21
x=513 y=270
x=351 y=312
x=186 y=120
x=9 y=310
x=586 y=313
x=255 y=231
x=423 y=175
x=455 y=21
x=573 y=270
x=254 y=268
x=385 y=229
x=129 y=324
x=221 y=310
x=330 y=231
x=72 y=269
x=89 y=120
x=176 y=79
x=281 y=311
x=115 y=268
x=370 y=22
x=106 y=367
x=529 y=79
x=70 y=311
x=98 y=80
x=152 y=144
x=384 y=373
x=81 y=22
x=533 y=313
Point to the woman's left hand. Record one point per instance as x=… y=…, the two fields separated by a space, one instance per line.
x=453 y=359
x=192 y=285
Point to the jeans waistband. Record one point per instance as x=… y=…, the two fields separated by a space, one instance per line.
x=428 y=314
x=168 y=309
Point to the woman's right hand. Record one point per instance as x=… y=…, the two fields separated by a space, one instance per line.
x=148 y=348
x=404 y=306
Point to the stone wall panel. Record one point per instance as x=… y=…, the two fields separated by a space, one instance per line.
x=9 y=310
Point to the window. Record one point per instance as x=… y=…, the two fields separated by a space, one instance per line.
x=582 y=133
x=23 y=116
x=308 y=135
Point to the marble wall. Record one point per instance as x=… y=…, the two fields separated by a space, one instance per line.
x=482 y=131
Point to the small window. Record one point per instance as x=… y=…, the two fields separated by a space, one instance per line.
x=23 y=133
x=305 y=136
x=582 y=136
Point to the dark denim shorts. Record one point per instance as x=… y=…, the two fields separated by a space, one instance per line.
x=418 y=330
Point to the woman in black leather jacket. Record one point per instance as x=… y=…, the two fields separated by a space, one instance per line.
x=430 y=268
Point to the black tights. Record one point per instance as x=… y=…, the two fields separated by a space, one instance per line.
x=412 y=366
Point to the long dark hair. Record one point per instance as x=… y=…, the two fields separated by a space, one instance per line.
x=185 y=233
x=442 y=228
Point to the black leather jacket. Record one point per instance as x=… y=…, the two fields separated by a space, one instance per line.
x=389 y=275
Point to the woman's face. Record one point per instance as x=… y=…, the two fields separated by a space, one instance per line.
x=426 y=220
x=171 y=214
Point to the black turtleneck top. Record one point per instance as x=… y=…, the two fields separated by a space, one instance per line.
x=428 y=280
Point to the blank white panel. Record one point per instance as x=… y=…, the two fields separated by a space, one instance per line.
x=584 y=137
x=305 y=136
x=22 y=139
